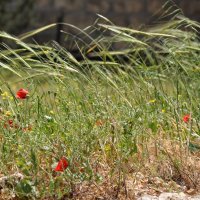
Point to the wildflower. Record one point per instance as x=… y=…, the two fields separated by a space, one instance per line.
x=8 y=113
x=10 y=122
x=152 y=101
x=62 y=165
x=186 y=118
x=4 y=95
x=27 y=128
x=48 y=118
x=99 y=122
x=107 y=147
x=51 y=112
x=22 y=94
x=163 y=110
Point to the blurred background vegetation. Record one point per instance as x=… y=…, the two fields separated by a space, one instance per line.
x=20 y=16
x=16 y=15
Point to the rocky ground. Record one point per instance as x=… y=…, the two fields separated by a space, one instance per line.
x=170 y=196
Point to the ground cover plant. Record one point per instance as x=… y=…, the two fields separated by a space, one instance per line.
x=121 y=121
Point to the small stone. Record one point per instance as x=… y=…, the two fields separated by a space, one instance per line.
x=191 y=191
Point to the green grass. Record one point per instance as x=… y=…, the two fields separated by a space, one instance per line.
x=123 y=112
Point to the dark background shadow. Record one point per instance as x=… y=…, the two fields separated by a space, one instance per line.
x=20 y=16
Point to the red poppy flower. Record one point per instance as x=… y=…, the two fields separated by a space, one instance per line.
x=22 y=94
x=10 y=124
x=62 y=165
x=186 y=118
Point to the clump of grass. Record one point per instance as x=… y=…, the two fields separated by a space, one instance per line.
x=113 y=114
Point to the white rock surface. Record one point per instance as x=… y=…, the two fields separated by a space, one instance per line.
x=196 y=197
x=170 y=196
x=148 y=197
